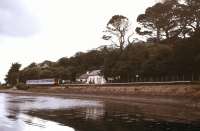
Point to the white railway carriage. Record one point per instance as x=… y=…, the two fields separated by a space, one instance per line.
x=42 y=82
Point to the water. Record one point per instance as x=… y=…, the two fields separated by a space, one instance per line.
x=35 y=113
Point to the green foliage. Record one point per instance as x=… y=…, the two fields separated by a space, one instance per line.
x=170 y=19
x=173 y=48
x=160 y=21
x=193 y=12
x=13 y=74
x=117 y=27
x=64 y=68
x=22 y=86
x=144 y=59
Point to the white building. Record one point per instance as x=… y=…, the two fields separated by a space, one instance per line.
x=83 y=78
x=93 y=77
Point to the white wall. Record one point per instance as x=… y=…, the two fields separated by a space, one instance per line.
x=96 y=80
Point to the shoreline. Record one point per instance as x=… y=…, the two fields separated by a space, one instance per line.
x=165 y=108
x=176 y=101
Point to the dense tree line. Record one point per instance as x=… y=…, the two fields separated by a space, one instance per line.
x=65 y=68
x=171 y=52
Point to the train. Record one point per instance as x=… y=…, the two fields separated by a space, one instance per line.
x=43 y=82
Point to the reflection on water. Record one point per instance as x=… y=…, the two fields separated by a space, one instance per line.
x=40 y=103
x=28 y=123
x=14 y=112
x=29 y=113
x=94 y=113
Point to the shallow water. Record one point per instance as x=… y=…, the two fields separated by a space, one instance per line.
x=35 y=113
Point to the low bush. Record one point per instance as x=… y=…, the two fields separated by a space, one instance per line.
x=4 y=86
x=22 y=86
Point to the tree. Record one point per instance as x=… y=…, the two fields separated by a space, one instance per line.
x=63 y=62
x=13 y=74
x=32 y=65
x=30 y=73
x=111 y=58
x=117 y=26
x=194 y=13
x=158 y=60
x=183 y=20
x=159 y=21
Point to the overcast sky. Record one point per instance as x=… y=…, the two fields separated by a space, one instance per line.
x=38 y=30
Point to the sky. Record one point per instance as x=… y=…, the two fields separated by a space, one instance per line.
x=38 y=30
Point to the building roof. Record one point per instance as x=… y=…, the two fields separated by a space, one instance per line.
x=92 y=73
x=84 y=76
x=95 y=73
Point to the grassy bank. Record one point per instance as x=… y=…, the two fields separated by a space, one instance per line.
x=166 y=90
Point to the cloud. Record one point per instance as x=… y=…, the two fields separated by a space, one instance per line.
x=16 y=20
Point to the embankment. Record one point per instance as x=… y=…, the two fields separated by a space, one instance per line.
x=191 y=90
x=176 y=94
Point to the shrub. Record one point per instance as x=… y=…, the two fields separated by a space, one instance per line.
x=22 y=86
x=5 y=86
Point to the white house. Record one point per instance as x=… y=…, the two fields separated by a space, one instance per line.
x=83 y=78
x=93 y=77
